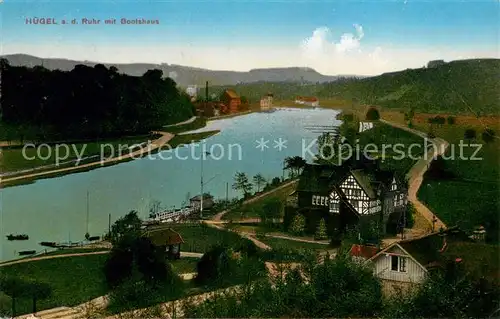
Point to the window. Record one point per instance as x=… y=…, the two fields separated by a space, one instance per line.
x=398 y=263
x=394 y=263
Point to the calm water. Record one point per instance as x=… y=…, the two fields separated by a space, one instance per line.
x=55 y=209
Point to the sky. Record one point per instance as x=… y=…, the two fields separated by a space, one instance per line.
x=334 y=37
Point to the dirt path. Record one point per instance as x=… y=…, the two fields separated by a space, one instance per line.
x=191 y=120
x=218 y=216
x=416 y=174
x=165 y=138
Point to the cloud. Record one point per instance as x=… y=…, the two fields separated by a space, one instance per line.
x=319 y=43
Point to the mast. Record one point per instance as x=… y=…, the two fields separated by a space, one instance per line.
x=87 y=232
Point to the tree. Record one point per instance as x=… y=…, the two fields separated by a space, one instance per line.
x=38 y=290
x=259 y=180
x=244 y=100
x=129 y=224
x=213 y=266
x=372 y=114
x=470 y=134
x=298 y=224
x=450 y=120
x=15 y=288
x=321 y=232
x=488 y=135
x=242 y=184
x=295 y=164
x=272 y=210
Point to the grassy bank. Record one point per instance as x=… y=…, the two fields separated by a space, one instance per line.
x=74 y=280
x=254 y=209
x=470 y=198
x=281 y=244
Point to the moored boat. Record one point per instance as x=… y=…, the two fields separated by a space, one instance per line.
x=17 y=237
x=27 y=252
x=48 y=244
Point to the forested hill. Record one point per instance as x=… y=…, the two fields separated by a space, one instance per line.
x=453 y=87
x=184 y=75
x=88 y=102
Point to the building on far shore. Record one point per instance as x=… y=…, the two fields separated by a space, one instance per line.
x=267 y=101
x=307 y=100
x=232 y=100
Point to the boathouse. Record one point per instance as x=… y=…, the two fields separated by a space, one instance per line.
x=168 y=239
x=347 y=194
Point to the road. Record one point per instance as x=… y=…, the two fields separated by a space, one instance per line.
x=416 y=174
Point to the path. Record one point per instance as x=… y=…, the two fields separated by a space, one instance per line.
x=165 y=138
x=416 y=174
x=191 y=120
x=218 y=216
x=20 y=261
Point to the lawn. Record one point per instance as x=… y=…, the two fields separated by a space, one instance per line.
x=252 y=210
x=471 y=198
x=74 y=280
x=200 y=237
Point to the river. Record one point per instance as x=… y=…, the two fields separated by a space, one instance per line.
x=55 y=209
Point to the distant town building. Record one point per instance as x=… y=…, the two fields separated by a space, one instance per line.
x=364 y=126
x=231 y=100
x=307 y=100
x=267 y=101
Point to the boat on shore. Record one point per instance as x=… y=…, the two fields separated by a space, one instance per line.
x=48 y=244
x=27 y=252
x=17 y=237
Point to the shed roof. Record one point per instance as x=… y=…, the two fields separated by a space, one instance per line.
x=363 y=251
x=164 y=237
x=232 y=94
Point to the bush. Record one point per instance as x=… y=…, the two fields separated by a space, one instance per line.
x=214 y=266
x=488 y=135
x=450 y=120
x=298 y=225
x=321 y=230
x=470 y=134
x=372 y=114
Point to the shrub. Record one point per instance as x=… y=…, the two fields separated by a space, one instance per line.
x=488 y=135
x=372 y=114
x=321 y=230
x=214 y=266
x=450 y=120
x=298 y=225
x=470 y=134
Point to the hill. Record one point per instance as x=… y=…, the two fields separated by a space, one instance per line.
x=184 y=75
x=464 y=86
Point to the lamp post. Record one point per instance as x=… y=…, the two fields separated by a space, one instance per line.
x=201 y=183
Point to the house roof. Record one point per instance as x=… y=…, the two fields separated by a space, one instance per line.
x=205 y=196
x=365 y=181
x=363 y=251
x=319 y=178
x=232 y=94
x=164 y=237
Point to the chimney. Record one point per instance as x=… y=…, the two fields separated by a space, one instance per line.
x=206 y=91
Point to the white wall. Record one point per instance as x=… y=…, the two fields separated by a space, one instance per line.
x=382 y=268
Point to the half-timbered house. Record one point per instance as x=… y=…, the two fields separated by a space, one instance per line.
x=345 y=194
